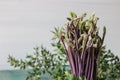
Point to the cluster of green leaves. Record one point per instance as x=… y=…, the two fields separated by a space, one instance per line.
x=71 y=77
x=109 y=68
x=41 y=62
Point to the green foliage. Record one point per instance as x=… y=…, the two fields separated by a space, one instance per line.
x=41 y=62
x=72 y=77
x=73 y=15
x=109 y=68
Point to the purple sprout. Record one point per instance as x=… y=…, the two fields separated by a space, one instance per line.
x=83 y=45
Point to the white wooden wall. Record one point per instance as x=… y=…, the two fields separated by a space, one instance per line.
x=25 y=24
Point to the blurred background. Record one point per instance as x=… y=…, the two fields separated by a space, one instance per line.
x=25 y=24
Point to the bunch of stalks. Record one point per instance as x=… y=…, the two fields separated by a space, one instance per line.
x=83 y=45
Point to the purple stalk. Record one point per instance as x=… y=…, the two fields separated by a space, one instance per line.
x=87 y=63
x=89 y=70
x=92 y=68
x=71 y=60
